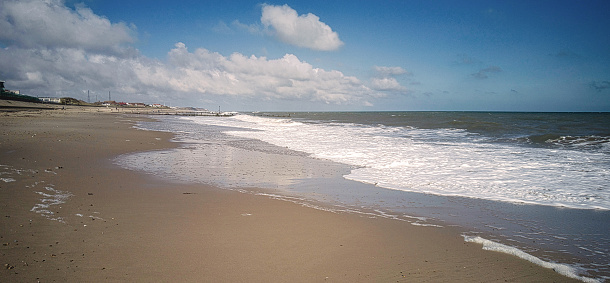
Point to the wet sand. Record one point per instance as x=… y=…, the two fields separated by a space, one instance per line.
x=105 y=223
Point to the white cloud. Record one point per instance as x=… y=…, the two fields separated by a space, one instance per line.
x=196 y=74
x=386 y=84
x=303 y=31
x=252 y=28
x=203 y=71
x=385 y=81
x=390 y=71
x=34 y=24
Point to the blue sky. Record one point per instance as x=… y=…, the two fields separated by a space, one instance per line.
x=313 y=55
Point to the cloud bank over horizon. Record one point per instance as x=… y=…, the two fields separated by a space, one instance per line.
x=53 y=50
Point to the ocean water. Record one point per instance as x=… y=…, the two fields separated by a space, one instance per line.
x=534 y=182
x=548 y=159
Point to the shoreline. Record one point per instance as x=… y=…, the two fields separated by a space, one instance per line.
x=122 y=225
x=224 y=160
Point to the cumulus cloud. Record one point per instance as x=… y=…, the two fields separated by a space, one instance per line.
x=43 y=24
x=386 y=84
x=484 y=73
x=390 y=71
x=303 y=31
x=197 y=73
x=288 y=77
x=385 y=79
x=61 y=63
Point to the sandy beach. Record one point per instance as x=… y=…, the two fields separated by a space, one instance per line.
x=69 y=214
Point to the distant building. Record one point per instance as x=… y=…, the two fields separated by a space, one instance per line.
x=7 y=90
x=136 y=104
x=50 y=100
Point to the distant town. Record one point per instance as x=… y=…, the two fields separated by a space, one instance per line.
x=16 y=95
x=111 y=103
x=132 y=107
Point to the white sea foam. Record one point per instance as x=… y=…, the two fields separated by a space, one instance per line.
x=446 y=162
x=563 y=269
x=50 y=197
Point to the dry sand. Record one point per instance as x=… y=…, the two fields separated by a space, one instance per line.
x=119 y=225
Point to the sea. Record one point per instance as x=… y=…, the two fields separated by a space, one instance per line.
x=535 y=185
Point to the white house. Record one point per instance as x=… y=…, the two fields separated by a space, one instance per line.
x=50 y=99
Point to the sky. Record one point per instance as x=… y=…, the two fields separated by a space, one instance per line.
x=312 y=55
